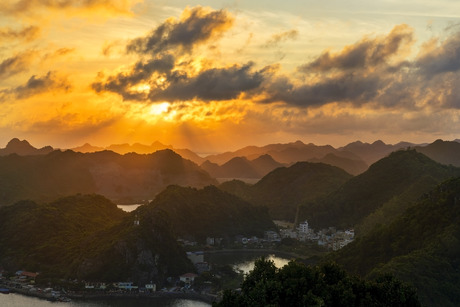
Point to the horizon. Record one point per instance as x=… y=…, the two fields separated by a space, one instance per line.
x=204 y=154
x=215 y=76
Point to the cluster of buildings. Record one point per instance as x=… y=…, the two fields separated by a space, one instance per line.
x=331 y=237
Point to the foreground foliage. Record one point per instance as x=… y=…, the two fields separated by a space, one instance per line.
x=328 y=285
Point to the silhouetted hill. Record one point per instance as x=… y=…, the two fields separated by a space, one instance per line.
x=351 y=166
x=422 y=246
x=241 y=167
x=88 y=237
x=209 y=212
x=87 y=148
x=382 y=184
x=283 y=189
x=286 y=154
x=371 y=153
x=127 y=177
x=444 y=152
x=23 y=148
x=283 y=153
x=140 y=149
x=265 y=164
x=238 y=188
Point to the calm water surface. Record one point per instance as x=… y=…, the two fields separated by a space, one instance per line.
x=129 y=208
x=17 y=300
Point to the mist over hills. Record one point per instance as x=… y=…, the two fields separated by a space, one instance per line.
x=130 y=177
x=241 y=167
x=140 y=149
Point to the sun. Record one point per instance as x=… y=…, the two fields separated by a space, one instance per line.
x=159 y=108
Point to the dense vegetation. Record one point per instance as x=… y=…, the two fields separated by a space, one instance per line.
x=209 y=212
x=404 y=174
x=88 y=237
x=422 y=246
x=283 y=189
x=296 y=284
x=131 y=176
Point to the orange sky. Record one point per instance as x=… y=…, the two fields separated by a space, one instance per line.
x=220 y=75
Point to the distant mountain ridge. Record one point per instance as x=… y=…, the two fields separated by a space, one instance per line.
x=285 y=188
x=241 y=167
x=383 y=183
x=125 y=178
x=23 y=148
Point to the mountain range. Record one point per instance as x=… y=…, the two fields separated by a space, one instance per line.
x=124 y=178
x=386 y=189
x=284 y=189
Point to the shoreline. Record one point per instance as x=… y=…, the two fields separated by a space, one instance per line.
x=205 y=298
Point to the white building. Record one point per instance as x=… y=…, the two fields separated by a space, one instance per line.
x=303 y=227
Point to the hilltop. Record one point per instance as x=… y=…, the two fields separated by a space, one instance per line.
x=209 y=212
x=285 y=188
x=392 y=183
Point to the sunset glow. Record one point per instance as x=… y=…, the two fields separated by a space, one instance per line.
x=219 y=75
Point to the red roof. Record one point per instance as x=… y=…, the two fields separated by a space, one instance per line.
x=29 y=274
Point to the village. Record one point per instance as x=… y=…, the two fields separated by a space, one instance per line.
x=200 y=284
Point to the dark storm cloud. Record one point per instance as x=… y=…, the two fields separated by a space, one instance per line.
x=353 y=88
x=196 y=26
x=364 y=54
x=211 y=84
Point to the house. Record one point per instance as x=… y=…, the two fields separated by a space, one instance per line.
x=24 y=275
x=188 y=278
x=151 y=287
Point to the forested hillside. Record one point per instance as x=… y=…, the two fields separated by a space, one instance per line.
x=422 y=246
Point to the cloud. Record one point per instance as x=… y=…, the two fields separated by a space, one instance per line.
x=24 y=7
x=16 y=64
x=37 y=85
x=211 y=84
x=195 y=26
x=350 y=88
x=141 y=72
x=441 y=58
x=275 y=39
x=162 y=72
x=364 y=54
x=26 y=34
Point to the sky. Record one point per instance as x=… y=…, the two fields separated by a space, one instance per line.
x=219 y=75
